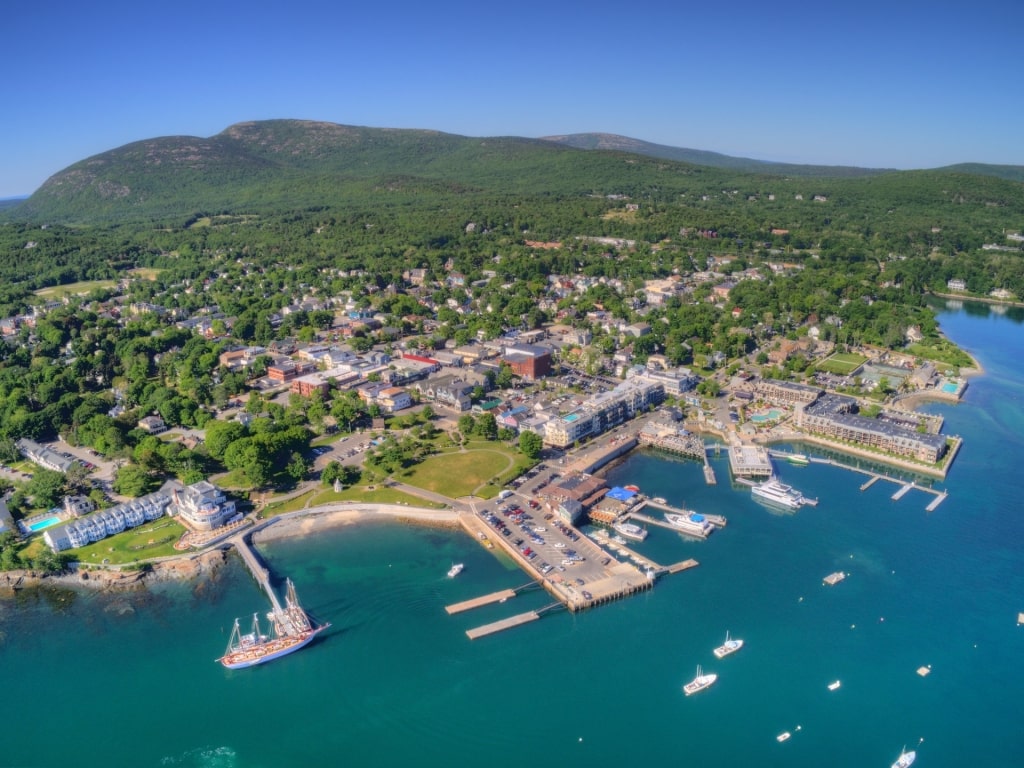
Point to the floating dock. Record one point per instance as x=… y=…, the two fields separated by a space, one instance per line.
x=874 y=479
x=685 y=565
x=476 y=602
x=498 y=626
x=936 y=501
x=709 y=472
x=903 y=491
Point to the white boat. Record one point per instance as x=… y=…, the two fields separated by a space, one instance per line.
x=691 y=523
x=631 y=531
x=700 y=682
x=731 y=645
x=455 y=570
x=773 y=491
x=906 y=759
x=834 y=685
x=784 y=736
x=798 y=460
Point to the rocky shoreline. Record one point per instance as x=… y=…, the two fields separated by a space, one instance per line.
x=113 y=579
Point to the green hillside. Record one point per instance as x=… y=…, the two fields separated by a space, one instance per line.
x=609 y=141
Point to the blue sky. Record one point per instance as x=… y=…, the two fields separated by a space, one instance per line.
x=896 y=84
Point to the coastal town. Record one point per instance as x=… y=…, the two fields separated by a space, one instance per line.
x=564 y=405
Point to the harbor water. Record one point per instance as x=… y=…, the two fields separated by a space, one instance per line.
x=131 y=679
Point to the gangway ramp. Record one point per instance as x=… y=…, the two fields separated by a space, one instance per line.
x=476 y=602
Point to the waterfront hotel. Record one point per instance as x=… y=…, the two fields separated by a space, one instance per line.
x=201 y=506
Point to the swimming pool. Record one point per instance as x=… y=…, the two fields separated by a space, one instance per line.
x=950 y=386
x=46 y=522
x=570 y=418
x=772 y=415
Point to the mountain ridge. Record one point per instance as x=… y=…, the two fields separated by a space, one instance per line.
x=300 y=163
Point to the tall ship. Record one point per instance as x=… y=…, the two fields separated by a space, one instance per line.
x=690 y=523
x=290 y=629
x=776 y=492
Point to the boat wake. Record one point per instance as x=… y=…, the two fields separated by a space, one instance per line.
x=204 y=757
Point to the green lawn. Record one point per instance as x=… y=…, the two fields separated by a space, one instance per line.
x=73 y=289
x=374 y=494
x=841 y=363
x=155 y=539
x=482 y=470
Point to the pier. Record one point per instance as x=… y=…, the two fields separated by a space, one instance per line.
x=259 y=571
x=874 y=479
x=717 y=520
x=709 y=472
x=503 y=624
x=936 y=501
x=476 y=602
x=903 y=491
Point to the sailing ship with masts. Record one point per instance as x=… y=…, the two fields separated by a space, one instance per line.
x=290 y=628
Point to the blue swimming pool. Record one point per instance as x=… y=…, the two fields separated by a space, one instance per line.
x=46 y=522
x=950 y=386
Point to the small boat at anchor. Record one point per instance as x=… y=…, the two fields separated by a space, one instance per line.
x=455 y=570
x=906 y=759
x=700 y=682
x=731 y=645
x=834 y=685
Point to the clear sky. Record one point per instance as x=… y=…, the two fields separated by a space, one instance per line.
x=893 y=83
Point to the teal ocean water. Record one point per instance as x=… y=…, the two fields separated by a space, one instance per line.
x=130 y=680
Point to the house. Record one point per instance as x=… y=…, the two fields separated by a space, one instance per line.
x=154 y=425
x=43 y=456
x=956 y=284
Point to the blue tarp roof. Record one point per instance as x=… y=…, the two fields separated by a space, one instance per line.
x=621 y=494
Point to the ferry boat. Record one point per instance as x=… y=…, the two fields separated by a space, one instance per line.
x=798 y=460
x=773 y=491
x=290 y=630
x=906 y=759
x=631 y=531
x=691 y=523
x=731 y=645
x=455 y=570
x=700 y=682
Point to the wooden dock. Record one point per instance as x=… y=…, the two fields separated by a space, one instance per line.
x=685 y=565
x=476 y=602
x=903 y=491
x=257 y=569
x=874 y=479
x=499 y=626
x=936 y=501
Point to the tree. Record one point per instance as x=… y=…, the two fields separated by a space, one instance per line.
x=220 y=434
x=486 y=426
x=133 y=480
x=531 y=444
x=466 y=424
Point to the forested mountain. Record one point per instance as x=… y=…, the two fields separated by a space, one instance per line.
x=611 y=141
x=352 y=197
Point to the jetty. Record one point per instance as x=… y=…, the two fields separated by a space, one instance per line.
x=903 y=491
x=503 y=624
x=936 y=501
x=476 y=602
x=259 y=571
x=873 y=479
x=718 y=521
